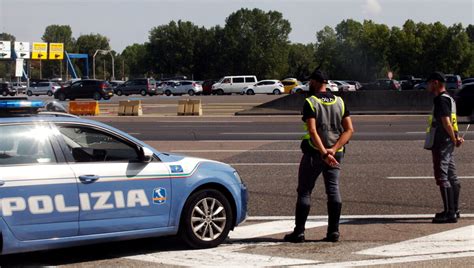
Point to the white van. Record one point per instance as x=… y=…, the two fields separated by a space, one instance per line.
x=233 y=84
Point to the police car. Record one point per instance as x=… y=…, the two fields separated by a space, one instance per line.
x=67 y=181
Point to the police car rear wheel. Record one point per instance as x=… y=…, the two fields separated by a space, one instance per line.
x=207 y=219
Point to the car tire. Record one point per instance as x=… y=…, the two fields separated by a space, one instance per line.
x=96 y=96
x=167 y=92
x=119 y=93
x=191 y=92
x=61 y=96
x=220 y=92
x=143 y=92
x=28 y=93
x=250 y=92
x=50 y=93
x=12 y=94
x=276 y=92
x=214 y=229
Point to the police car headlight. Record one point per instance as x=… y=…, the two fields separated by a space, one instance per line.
x=237 y=177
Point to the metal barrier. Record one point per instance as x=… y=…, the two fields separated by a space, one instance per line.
x=84 y=107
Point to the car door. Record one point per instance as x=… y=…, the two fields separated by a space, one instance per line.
x=118 y=192
x=38 y=190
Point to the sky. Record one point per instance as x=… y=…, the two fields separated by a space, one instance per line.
x=126 y=22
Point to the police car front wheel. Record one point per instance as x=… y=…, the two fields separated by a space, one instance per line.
x=207 y=219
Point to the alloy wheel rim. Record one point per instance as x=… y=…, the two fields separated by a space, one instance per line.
x=208 y=219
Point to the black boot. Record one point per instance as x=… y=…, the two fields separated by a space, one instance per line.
x=456 y=190
x=334 y=214
x=301 y=214
x=448 y=215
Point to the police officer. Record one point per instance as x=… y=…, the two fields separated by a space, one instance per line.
x=441 y=138
x=329 y=128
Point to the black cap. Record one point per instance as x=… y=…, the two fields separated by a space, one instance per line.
x=319 y=76
x=439 y=76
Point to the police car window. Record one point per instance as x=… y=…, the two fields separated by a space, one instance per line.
x=90 y=145
x=25 y=144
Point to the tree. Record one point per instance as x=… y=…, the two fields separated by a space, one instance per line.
x=134 y=58
x=300 y=60
x=88 y=44
x=257 y=42
x=57 y=34
x=6 y=67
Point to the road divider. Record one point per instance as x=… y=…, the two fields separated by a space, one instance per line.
x=84 y=107
x=190 y=107
x=130 y=108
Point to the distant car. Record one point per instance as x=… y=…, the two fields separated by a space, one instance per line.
x=274 y=87
x=7 y=89
x=207 y=86
x=290 y=83
x=331 y=86
x=383 y=84
x=344 y=86
x=468 y=81
x=142 y=86
x=421 y=86
x=182 y=87
x=116 y=83
x=453 y=82
x=408 y=82
x=465 y=100
x=233 y=84
x=42 y=88
x=305 y=88
x=20 y=87
x=356 y=84
x=85 y=89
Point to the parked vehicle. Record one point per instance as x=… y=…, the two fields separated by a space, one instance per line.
x=290 y=83
x=305 y=88
x=468 y=81
x=182 y=87
x=274 y=87
x=453 y=82
x=42 y=88
x=7 y=89
x=465 y=100
x=383 y=84
x=409 y=82
x=116 y=83
x=142 y=86
x=85 y=89
x=331 y=86
x=356 y=84
x=233 y=84
x=344 y=86
x=207 y=86
x=20 y=87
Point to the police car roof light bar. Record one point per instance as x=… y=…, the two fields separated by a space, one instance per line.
x=20 y=104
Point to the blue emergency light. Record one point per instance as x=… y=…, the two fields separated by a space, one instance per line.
x=20 y=104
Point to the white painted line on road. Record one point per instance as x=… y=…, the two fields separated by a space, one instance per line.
x=423 y=177
x=262 y=133
x=264 y=164
x=269 y=228
x=222 y=256
x=452 y=241
x=353 y=217
x=391 y=261
x=233 y=151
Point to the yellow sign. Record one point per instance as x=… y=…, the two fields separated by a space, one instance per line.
x=39 y=51
x=56 y=51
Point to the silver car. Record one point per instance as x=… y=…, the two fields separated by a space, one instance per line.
x=182 y=87
x=42 y=88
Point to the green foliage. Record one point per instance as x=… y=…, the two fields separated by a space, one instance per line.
x=7 y=67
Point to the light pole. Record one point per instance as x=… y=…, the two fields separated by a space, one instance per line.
x=104 y=52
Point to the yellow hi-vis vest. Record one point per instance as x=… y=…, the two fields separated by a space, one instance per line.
x=328 y=120
x=433 y=124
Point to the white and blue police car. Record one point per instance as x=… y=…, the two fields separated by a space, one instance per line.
x=67 y=181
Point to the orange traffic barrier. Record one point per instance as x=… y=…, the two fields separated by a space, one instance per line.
x=84 y=107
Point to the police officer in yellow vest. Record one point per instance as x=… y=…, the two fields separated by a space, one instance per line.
x=441 y=138
x=329 y=128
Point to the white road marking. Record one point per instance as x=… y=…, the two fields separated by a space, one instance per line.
x=390 y=261
x=452 y=241
x=269 y=228
x=424 y=177
x=233 y=151
x=264 y=164
x=352 y=217
x=223 y=256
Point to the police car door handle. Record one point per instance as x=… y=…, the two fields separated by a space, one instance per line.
x=88 y=178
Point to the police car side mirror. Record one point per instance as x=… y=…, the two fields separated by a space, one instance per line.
x=146 y=155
